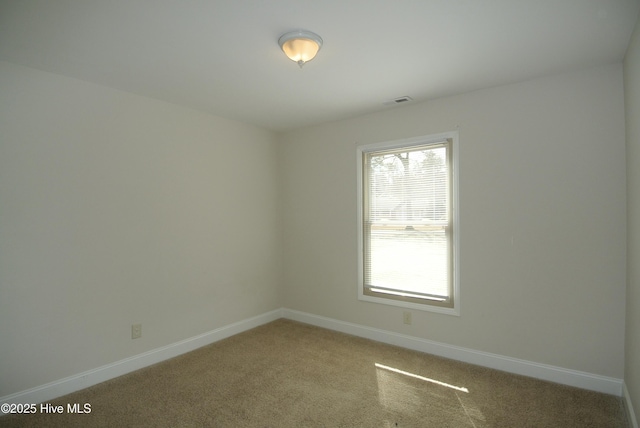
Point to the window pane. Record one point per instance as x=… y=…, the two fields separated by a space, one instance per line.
x=409 y=260
x=407 y=221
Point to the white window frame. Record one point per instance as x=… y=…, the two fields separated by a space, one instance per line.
x=363 y=149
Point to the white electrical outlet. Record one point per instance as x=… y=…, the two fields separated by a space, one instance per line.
x=406 y=317
x=136 y=331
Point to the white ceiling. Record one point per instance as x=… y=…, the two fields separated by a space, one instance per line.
x=222 y=56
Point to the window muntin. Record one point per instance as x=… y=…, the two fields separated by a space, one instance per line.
x=407 y=224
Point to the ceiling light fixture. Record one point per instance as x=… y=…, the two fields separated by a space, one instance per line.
x=300 y=46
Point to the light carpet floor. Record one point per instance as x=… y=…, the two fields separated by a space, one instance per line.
x=288 y=374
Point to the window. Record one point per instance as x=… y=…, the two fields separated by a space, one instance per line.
x=407 y=217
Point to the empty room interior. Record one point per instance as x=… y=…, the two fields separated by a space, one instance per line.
x=170 y=179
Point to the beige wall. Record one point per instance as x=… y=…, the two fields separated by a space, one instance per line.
x=542 y=220
x=632 y=109
x=117 y=209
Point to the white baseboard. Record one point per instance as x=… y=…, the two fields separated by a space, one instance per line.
x=631 y=415
x=560 y=375
x=86 y=379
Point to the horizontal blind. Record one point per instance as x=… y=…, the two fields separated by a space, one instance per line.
x=407 y=222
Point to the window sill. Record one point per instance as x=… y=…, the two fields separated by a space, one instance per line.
x=455 y=311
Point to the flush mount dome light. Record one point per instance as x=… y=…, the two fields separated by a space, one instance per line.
x=300 y=45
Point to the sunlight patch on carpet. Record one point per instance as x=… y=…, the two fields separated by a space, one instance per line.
x=426 y=379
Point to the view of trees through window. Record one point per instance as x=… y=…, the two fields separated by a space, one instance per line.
x=409 y=186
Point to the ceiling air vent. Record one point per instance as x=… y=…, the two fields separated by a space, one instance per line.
x=399 y=100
